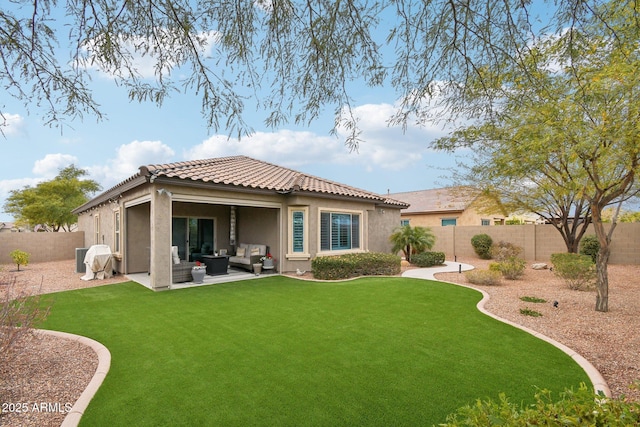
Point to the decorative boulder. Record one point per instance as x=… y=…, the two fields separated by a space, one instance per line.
x=539 y=266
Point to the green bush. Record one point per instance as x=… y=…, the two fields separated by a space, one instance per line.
x=353 y=265
x=512 y=268
x=578 y=271
x=578 y=408
x=19 y=257
x=428 y=259
x=482 y=245
x=483 y=277
x=590 y=246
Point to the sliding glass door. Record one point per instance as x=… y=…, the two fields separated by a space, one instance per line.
x=193 y=236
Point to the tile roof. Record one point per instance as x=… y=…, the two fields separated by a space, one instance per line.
x=243 y=171
x=450 y=199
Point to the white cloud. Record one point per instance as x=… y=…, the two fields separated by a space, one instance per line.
x=52 y=163
x=285 y=147
x=382 y=146
x=390 y=147
x=129 y=157
x=11 y=124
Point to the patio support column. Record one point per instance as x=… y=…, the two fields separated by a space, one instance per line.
x=232 y=228
x=160 y=222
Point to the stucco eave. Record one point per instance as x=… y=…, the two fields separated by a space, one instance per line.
x=112 y=194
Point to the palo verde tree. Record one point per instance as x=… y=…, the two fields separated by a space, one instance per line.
x=567 y=125
x=293 y=59
x=50 y=202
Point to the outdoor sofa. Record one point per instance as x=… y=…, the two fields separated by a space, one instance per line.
x=246 y=255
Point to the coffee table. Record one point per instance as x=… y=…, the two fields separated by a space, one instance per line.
x=216 y=264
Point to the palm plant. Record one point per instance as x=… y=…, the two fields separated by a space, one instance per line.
x=411 y=240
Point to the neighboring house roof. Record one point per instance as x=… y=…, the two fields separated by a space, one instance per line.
x=450 y=199
x=241 y=172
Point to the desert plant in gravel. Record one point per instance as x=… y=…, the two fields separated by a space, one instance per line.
x=512 y=268
x=484 y=277
x=502 y=251
x=20 y=312
x=578 y=271
x=19 y=257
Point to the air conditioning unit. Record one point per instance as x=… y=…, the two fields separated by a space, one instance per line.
x=80 y=254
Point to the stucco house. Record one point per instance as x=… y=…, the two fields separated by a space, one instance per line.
x=223 y=202
x=444 y=206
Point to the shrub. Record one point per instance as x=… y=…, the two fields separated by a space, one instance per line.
x=353 y=265
x=580 y=407
x=590 y=246
x=533 y=299
x=19 y=257
x=483 y=277
x=502 y=251
x=578 y=271
x=509 y=263
x=512 y=268
x=20 y=312
x=529 y=312
x=482 y=245
x=428 y=259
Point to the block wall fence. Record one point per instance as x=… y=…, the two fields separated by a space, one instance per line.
x=41 y=247
x=538 y=241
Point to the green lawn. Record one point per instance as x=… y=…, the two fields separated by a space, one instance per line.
x=279 y=351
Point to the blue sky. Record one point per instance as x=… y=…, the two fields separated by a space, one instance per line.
x=135 y=134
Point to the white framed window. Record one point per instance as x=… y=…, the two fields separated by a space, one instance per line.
x=298 y=241
x=340 y=231
x=404 y=222
x=116 y=231
x=485 y=222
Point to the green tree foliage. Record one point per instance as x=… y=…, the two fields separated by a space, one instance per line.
x=609 y=214
x=19 y=257
x=411 y=240
x=590 y=246
x=50 y=203
x=566 y=126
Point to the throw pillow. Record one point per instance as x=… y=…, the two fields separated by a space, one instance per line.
x=240 y=252
x=255 y=251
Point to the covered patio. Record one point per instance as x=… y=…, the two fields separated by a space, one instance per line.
x=198 y=226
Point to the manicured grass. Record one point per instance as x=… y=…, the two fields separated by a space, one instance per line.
x=279 y=351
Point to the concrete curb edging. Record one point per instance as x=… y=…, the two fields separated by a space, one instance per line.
x=599 y=383
x=104 y=363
